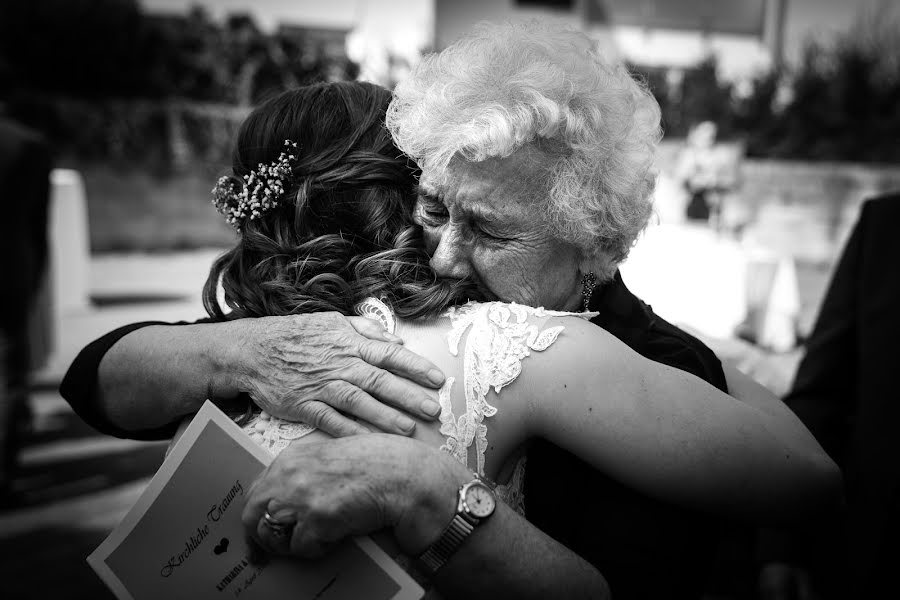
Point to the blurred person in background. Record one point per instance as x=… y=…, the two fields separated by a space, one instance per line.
x=699 y=172
x=25 y=165
x=845 y=392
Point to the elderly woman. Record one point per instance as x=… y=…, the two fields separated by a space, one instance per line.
x=536 y=158
x=537 y=196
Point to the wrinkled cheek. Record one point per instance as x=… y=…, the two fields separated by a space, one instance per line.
x=499 y=273
x=527 y=280
x=432 y=238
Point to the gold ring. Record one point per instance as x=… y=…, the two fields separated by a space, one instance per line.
x=278 y=529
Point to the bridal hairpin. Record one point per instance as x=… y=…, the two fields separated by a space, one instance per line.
x=239 y=199
x=377 y=310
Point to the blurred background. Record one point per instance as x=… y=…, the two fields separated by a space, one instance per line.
x=780 y=118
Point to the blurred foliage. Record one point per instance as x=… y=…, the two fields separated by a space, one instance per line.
x=842 y=102
x=88 y=49
x=107 y=82
x=690 y=96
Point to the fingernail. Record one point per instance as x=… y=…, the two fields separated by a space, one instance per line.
x=393 y=338
x=406 y=424
x=431 y=408
x=435 y=377
x=286 y=516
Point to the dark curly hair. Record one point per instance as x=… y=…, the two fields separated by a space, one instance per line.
x=342 y=230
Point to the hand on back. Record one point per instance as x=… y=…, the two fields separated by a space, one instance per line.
x=328 y=370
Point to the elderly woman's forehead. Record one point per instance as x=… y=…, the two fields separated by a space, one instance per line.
x=521 y=169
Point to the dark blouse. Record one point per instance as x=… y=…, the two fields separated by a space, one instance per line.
x=645 y=548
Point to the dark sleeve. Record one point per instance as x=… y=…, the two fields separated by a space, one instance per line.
x=671 y=346
x=24 y=197
x=823 y=393
x=79 y=386
x=37 y=189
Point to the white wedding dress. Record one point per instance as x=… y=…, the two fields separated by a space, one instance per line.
x=500 y=337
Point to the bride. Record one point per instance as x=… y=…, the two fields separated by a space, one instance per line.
x=323 y=200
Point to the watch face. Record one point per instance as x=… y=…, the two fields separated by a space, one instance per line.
x=480 y=501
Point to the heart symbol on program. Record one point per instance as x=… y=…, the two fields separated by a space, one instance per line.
x=221 y=547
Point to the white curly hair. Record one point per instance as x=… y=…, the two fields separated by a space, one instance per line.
x=508 y=85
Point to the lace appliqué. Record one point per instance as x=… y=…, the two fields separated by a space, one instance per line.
x=500 y=336
x=454 y=429
x=275 y=434
x=513 y=491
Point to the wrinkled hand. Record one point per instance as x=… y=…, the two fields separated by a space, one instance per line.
x=319 y=367
x=780 y=581
x=354 y=486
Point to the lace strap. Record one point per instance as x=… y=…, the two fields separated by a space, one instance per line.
x=500 y=338
x=275 y=434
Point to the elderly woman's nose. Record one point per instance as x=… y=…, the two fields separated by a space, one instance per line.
x=449 y=258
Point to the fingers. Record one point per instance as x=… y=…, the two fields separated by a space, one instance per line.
x=325 y=417
x=275 y=540
x=276 y=528
x=307 y=543
x=394 y=391
x=402 y=362
x=393 y=383
x=254 y=506
x=350 y=399
x=268 y=521
x=298 y=539
x=254 y=509
x=372 y=330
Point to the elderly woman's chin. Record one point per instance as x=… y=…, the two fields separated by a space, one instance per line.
x=540 y=289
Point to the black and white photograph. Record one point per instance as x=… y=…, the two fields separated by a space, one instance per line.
x=403 y=299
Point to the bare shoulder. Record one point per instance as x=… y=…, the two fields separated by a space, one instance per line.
x=579 y=334
x=583 y=356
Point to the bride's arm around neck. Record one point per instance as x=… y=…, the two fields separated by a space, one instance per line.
x=672 y=435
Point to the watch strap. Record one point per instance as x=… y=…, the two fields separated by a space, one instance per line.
x=451 y=539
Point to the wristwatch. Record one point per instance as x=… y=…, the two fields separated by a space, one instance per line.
x=475 y=504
